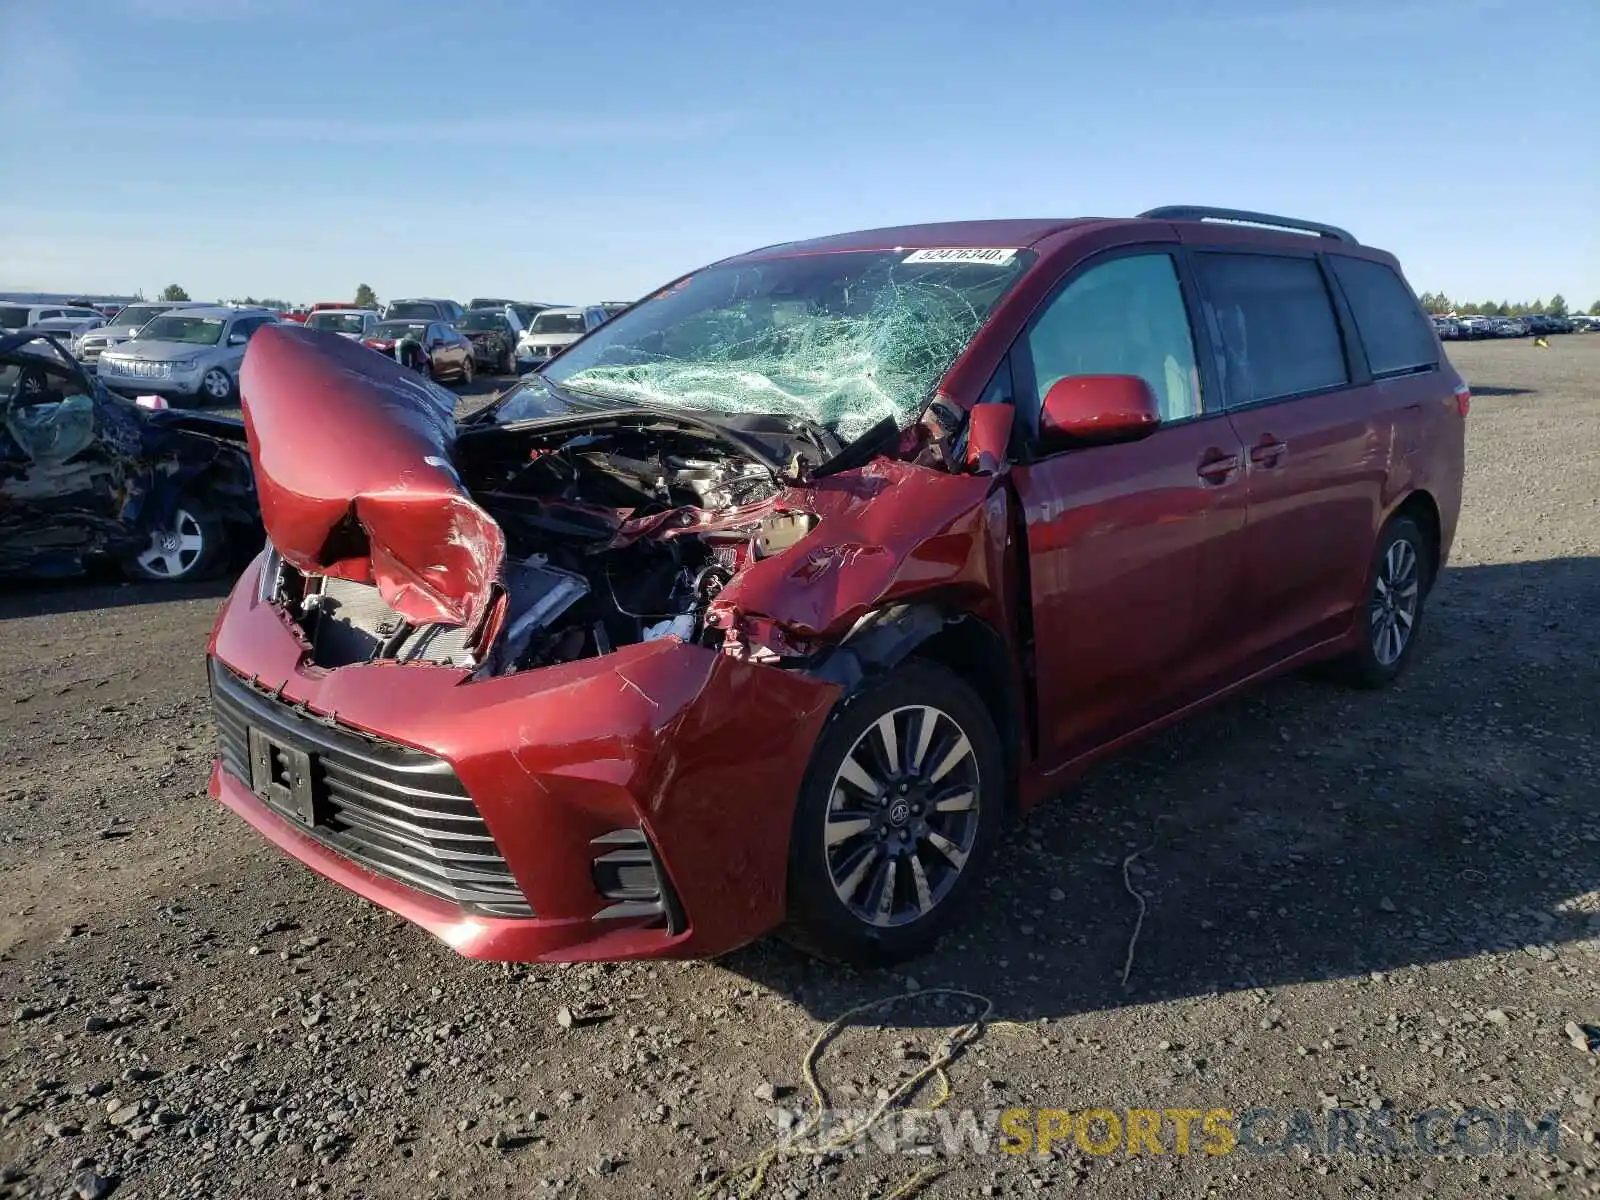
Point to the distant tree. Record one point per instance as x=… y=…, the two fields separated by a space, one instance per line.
x=173 y=292
x=1558 y=305
x=1594 y=309
x=366 y=297
x=1436 y=302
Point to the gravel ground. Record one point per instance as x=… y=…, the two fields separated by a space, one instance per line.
x=1376 y=902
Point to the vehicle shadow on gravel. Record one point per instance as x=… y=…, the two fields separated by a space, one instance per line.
x=1302 y=832
x=102 y=590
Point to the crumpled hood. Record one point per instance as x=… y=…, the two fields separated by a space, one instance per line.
x=353 y=470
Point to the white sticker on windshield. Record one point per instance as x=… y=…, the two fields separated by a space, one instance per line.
x=953 y=254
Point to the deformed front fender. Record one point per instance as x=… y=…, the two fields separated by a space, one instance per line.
x=889 y=532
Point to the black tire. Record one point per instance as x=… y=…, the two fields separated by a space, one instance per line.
x=227 y=388
x=1373 y=663
x=821 y=920
x=467 y=366
x=161 y=563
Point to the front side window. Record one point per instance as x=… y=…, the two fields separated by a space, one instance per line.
x=1280 y=336
x=1391 y=323
x=1123 y=317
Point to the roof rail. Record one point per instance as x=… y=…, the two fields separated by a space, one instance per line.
x=1195 y=212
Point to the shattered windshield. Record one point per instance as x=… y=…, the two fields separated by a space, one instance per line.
x=844 y=339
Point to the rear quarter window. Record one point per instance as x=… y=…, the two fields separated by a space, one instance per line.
x=1280 y=335
x=1393 y=327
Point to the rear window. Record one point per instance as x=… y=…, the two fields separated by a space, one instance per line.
x=558 y=322
x=1280 y=336
x=1389 y=320
x=413 y=308
x=13 y=318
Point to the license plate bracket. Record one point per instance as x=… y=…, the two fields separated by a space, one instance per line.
x=281 y=776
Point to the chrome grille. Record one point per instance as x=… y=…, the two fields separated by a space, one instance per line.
x=392 y=809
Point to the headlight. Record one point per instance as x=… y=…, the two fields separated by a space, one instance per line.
x=186 y=362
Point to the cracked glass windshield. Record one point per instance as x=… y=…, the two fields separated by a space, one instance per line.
x=844 y=339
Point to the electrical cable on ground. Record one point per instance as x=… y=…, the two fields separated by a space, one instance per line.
x=796 y=1146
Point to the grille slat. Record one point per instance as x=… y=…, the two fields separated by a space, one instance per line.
x=392 y=809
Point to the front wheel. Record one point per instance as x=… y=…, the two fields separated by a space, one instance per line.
x=466 y=370
x=897 y=817
x=1391 y=610
x=216 y=386
x=189 y=544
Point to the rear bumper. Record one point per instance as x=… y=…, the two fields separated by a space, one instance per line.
x=702 y=754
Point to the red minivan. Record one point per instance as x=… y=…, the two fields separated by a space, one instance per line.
x=766 y=603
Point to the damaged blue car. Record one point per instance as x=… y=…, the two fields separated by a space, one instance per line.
x=87 y=476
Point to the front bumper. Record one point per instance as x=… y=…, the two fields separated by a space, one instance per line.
x=186 y=384
x=699 y=753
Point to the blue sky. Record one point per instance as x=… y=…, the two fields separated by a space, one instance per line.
x=582 y=151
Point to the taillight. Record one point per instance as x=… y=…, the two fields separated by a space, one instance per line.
x=1463 y=399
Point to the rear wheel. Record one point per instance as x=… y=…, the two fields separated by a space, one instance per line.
x=1391 y=611
x=190 y=544
x=896 y=820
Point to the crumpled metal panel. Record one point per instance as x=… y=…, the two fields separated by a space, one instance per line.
x=887 y=531
x=352 y=462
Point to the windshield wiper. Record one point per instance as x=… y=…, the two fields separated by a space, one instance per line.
x=860 y=451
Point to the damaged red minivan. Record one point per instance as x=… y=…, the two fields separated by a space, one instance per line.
x=765 y=603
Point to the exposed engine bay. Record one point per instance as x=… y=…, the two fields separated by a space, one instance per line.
x=618 y=530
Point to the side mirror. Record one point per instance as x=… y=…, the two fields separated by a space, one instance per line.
x=238 y=339
x=1096 y=410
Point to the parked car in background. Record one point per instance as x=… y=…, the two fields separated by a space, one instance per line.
x=487 y=302
x=121 y=328
x=323 y=305
x=738 y=615
x=554 y=330
x=1448 y=328
x=433 y=348
x=493 y=333
x=191 y=355
x=613 y=307
x=16 y=317
x=358 y=323
x=85 y=475
x=425 y=309
x=68 y=329
x=527 y=310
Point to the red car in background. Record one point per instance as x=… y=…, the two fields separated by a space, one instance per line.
x=768 y=601
x=433 y=348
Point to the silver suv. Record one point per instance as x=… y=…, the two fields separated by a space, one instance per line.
x=88 y=347
x=192 y=354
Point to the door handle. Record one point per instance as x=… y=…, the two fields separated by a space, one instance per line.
x=1268 y=453
x=1216 y=467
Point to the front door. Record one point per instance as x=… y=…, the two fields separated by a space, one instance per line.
x=1134 y=549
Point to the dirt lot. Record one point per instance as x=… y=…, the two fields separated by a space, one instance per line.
x=1380 y=903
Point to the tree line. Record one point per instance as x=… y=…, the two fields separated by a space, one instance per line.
x=1556 y=306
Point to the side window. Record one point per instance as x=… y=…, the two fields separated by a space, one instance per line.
x=1280 y=336
x=1396 y=334
x=1124 y=317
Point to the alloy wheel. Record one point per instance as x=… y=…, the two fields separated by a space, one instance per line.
x=1395 y=594
x=216 y=383
x=902 y=816
x=174 y=551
